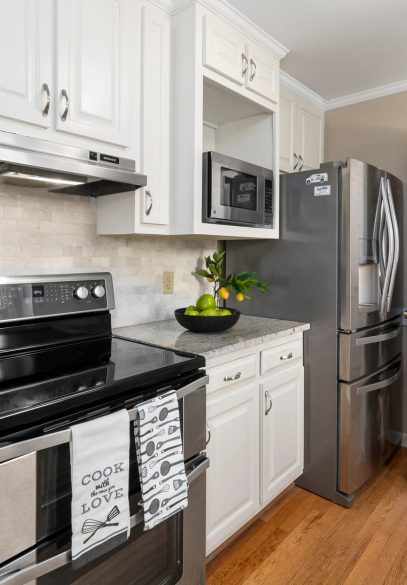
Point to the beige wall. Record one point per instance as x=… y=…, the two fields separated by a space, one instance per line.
x=44 y=233
x=374 y=131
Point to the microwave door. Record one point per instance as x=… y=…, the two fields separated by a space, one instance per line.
x=236 y=195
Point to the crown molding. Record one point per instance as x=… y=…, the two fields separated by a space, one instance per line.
x=368 y=94
x=230 y=14
x=302 y=90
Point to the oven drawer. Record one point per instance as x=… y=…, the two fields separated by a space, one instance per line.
x=228 y=374
x=284 y=354
x=365 y=351
x=369 y=424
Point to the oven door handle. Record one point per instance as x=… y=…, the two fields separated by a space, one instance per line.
x=13 y=574
x=59 y=438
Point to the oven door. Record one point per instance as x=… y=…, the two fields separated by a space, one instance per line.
x=35 y=508
x=236 y=191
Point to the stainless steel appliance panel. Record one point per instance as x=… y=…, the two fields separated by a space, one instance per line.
x=370 y=236
x=369 y=412
x=368 y=350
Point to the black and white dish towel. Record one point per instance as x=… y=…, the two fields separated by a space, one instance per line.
x=160 y=455
x=100 y=486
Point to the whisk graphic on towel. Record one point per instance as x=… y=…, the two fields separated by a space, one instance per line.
x=92 y=526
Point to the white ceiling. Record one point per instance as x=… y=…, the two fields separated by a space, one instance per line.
x=337 y=47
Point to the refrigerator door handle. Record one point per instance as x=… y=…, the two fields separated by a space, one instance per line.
x=391 y=248
x=363 y=390
x=396 y=246
x=379 y=338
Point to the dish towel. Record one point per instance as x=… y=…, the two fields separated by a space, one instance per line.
x=100 y=486
x=160 y=456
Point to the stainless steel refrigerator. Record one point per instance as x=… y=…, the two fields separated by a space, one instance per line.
x=337 y=265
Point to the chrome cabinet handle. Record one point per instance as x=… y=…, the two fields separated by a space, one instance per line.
x=12 y=574
x=379 y=338
x=270 y=405
x=231 y=378
x=47 y=105
x=208 y=440
x=297 y=161
x=286 y=357
x=64 y=114
x=149 y=201
x=61 y=437
x=302 y=163
x=390 y=251
x=252 y=71
x=245 y=64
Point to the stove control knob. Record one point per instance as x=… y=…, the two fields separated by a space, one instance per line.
x=81 y=293
x=99 y=291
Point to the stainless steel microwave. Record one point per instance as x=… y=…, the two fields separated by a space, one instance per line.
x=236 y=192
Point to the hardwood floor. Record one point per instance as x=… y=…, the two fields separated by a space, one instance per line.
x=305 y=539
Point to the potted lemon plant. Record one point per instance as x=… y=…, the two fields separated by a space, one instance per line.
x=211 y=308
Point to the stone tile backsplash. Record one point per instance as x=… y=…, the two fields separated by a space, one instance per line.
x=43 y=233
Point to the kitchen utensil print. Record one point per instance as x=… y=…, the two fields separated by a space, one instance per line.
x=164 y=412
x=156 y=475
x=165 y=488
x=165 y=502
x=178 y=483
x=161 y=443
x=168 y=422
x=170 y=477
x=154 y=407
x=183 y=499
x=92 y=526
x=165 y=456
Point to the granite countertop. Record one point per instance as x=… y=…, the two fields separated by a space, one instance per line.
x=248 y=332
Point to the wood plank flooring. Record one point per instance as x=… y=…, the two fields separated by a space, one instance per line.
x=306 y=540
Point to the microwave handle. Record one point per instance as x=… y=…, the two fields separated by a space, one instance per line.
x=59 y=438
x=15 y=574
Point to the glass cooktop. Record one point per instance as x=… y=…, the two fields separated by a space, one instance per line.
x=42 y=382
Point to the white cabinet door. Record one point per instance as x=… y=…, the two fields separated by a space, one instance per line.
x=26 y=72
x=310 y=121
x=282 y=432
x=155 y=119
x=287 y=112
x=93 y=69
x=233 y=450
x=224 y=49
x=262 y=75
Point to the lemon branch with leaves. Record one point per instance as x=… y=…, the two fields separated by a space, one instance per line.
x=241 y=283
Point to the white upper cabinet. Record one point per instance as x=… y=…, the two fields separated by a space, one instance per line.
x=155 y=118
x=301 y=133
x=224 y=49
x=310 y=135
x=93 y=72
x=262 y=75
x=26 y=83
x=228 y=51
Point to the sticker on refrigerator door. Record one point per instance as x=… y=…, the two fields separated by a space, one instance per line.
x=321 y=190
x=317 y=178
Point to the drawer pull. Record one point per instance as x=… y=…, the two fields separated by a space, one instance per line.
x=286 y=357
x=269 y=406
x=231 y=378
x=208 y=440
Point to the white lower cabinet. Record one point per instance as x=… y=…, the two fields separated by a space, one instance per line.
x=255 y=433
x=281 y=432
x=233 y=449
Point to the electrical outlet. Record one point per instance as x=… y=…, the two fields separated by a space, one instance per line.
x=168 y=283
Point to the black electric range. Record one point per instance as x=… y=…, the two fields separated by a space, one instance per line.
x=58 y=354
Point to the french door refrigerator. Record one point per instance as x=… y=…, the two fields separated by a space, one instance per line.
x=337 y=265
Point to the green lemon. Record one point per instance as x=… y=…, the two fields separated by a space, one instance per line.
x=224 y=312
x=191 y=308
x=192 y=312
x=205 y=301
x=209 y=313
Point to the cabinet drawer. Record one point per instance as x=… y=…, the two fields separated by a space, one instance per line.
x=285 y=354
x=231 y=373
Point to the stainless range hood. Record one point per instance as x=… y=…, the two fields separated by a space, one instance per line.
x=39 y=164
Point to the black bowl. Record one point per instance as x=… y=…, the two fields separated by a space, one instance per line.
x=199 y=324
